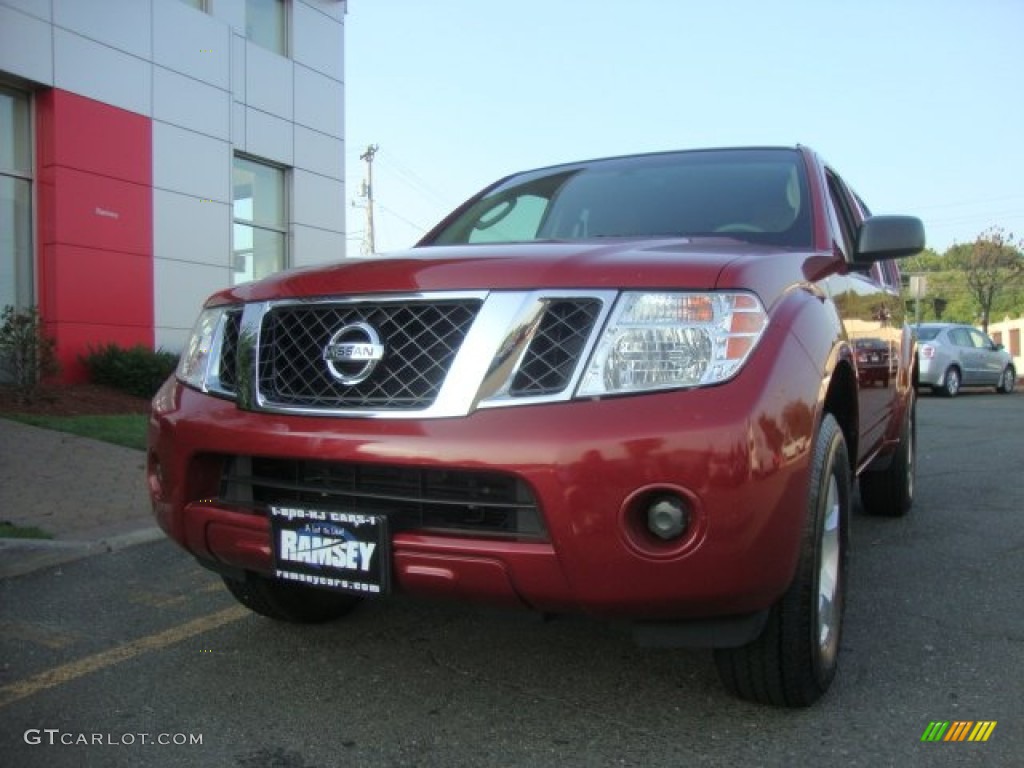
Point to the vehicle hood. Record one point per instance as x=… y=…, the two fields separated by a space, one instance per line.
x=669 y=263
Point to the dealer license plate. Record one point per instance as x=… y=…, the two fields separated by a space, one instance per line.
x=331 y=549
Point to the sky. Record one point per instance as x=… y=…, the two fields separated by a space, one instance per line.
x=917 y=104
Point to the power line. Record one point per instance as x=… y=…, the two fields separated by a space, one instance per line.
x=981 y=215
x=414 y=181
x=965 y=203
x=399 y=216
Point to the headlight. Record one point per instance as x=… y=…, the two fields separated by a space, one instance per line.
x=201 y=352
x=672 y=340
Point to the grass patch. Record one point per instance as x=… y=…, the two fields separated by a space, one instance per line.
x=12 y=531
x=127 y=429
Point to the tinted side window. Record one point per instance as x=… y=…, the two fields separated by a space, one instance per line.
x=980 y=340
x=890 y=275
x=841 y=209
x=960 y=337
x=842 y=218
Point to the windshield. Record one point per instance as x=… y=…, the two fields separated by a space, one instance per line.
x=927 y=334
x=757 y=195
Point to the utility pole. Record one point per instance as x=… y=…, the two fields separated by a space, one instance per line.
x=370 y=244
x=918 y=287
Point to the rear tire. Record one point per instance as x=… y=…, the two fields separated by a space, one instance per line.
x=1007 y=381
x=795 y=658
x=890 y=492
x=283 y=601
x=951 y=381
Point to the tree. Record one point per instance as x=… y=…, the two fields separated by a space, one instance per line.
x=926 y=261
x=990 y=265
x=945 y=297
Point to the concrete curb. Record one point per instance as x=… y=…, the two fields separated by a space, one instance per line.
x=91 y=495
x=19 y=557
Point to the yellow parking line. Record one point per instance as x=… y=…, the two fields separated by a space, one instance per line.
x=38 y=634
x=75 y=669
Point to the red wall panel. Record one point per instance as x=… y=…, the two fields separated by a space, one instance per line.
x=95 y=225
x=123 y=297
x=98 y=138
x=102 y=212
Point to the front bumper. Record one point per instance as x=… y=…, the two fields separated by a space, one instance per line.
x=730 y=451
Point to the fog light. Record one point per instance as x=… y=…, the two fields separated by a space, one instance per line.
x=667 y=517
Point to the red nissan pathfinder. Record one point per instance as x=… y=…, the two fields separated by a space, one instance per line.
x=626 y=387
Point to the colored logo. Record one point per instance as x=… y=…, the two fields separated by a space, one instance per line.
x=958 y=730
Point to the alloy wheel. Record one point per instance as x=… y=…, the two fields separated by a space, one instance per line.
x=952 y=382
x=829 y=607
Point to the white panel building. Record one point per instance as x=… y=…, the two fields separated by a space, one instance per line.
x=155 y=151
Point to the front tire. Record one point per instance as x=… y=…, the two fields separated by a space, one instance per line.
x=284 y=601
x=795 y=658
x=890 y=492
x=1007 y=381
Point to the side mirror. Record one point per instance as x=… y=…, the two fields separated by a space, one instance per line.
x=888 y=237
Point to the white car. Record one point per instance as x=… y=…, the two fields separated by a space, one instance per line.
x=952 y=356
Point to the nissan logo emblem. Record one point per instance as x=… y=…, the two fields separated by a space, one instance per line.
x=353 y=352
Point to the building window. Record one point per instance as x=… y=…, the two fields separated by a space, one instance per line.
x=261 y=227
x=266 y=24
x=16 y=284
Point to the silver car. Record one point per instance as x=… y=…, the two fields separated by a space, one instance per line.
x=951 y=356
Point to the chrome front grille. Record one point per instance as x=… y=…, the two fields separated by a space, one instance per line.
x=431 y=355
x=228 y=368
x=554 y=351
x=412 y=498
x=420 y=339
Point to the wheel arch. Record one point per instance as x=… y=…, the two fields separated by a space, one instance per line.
x=841 y=401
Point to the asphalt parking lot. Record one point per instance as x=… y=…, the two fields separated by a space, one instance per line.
x=139 y=657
